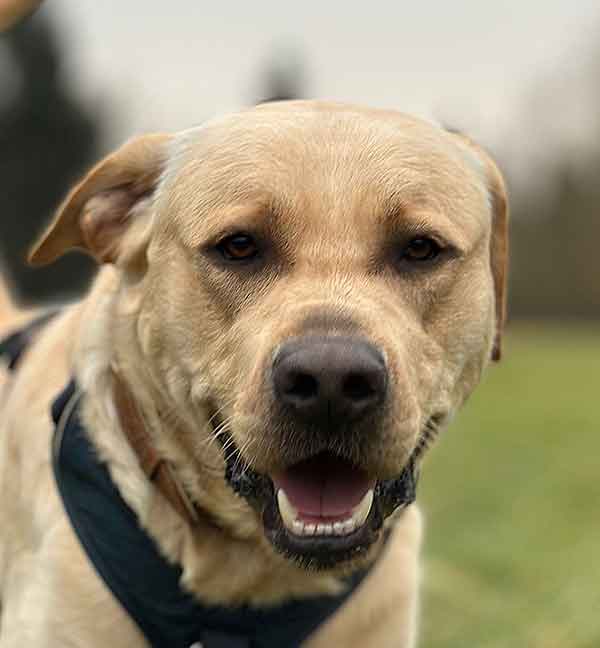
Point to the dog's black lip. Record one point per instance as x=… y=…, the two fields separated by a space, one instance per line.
x=316 y=552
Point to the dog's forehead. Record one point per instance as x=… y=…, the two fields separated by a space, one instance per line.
x=320 y=158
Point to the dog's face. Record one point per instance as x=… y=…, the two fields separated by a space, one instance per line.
x=326 y=282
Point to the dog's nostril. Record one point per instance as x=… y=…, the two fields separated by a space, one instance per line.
x=303 y=386
x=358 y=387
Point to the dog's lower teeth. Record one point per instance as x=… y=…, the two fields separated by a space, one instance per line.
x=291 y=521
x=309 y=529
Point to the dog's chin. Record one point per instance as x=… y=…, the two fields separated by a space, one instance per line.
x=322 y=513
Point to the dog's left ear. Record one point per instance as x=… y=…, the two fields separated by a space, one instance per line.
x=98 y=212
x=499 y=237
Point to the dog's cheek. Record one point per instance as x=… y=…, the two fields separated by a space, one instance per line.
x=437 y=352
x=419 y=377
x=178 y=322
x=466 y=331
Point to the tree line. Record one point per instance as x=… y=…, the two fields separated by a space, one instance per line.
x=47 y=139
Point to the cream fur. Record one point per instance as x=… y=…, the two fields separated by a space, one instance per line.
x=149 y=314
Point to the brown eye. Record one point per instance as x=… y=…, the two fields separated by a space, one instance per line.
x=238 y=247
x=421 y=249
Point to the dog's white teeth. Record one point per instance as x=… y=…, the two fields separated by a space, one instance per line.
x=309 y=529
x=288 y=513
x=325 y=529
x=361 y=512
x=349 y=526
x=291 y=521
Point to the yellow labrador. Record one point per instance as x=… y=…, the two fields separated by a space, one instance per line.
x=293 y=301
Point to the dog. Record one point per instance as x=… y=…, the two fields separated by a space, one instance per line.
x=292 y=302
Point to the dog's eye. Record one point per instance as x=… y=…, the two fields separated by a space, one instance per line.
x=238 y=247
x=421 y=249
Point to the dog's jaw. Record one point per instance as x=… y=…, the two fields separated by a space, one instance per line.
x=312 y=540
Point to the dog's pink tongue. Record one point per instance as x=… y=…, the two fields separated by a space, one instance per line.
x=323 y=486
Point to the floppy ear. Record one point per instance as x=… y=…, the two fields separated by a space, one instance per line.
x=499 y=237
x=97 y=213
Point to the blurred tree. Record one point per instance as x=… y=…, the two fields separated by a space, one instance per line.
x=284 y=77
x=46 y=140
x=556 y=225
x=556 y=265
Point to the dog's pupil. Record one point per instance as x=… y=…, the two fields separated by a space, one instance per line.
x=421 y=249
x=241 y=246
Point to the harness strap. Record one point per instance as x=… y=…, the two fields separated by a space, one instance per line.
x=14 y=346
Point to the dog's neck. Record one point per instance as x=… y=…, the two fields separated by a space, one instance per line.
x=156 y=467
x=230 y=563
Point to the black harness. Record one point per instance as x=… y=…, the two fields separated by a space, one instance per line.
x=13 y=347
x=129 y=562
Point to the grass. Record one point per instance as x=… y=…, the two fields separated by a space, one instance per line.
x=511 y=495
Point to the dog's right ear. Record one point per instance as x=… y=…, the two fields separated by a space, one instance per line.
x=97 y=213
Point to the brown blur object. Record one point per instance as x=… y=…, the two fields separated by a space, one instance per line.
x=11 y=11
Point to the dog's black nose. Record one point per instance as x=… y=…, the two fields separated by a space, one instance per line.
x=323 y=380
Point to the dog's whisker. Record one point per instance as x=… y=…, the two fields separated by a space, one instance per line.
x=428 y=435
x=240 y=455
x=228 y=402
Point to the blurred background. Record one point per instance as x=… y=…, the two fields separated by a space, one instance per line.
x=512 y=490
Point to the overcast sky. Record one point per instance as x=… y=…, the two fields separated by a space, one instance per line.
x=475 y=64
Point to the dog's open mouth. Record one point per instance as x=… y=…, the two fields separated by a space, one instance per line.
x=323 y=496
x=324 y=511
x=321 y=511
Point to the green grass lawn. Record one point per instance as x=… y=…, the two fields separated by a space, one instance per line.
x=511 y=495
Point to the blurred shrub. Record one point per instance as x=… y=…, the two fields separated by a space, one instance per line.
x=555 y=252
x=46 y=140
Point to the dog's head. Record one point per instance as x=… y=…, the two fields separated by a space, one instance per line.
x=326 y=282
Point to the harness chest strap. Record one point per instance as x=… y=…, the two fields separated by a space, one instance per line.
x=15 y=345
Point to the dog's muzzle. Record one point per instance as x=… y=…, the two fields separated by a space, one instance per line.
x=324 y=508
